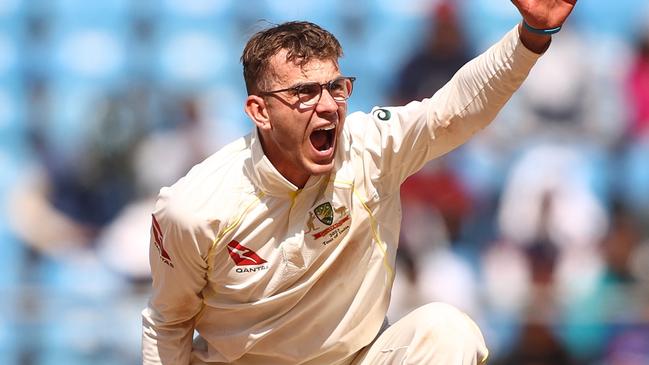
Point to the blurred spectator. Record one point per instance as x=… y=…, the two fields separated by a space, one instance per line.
x=443 y=52
x=430 y=267
x=438 y=187
x=577 y=216
x=87 y=221
x=537 y=345
x=57 y=209
x=637 y=89
x=160 y=159
x=72 y=196
x=537 y=342
x=581 y=105
x=633 y=171
x=434 y=270
x=550 y=222
x=595 y=317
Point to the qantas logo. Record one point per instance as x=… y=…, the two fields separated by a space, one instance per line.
x=243 y=256
x=157 y=241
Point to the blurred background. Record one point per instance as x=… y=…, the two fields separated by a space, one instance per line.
x=538 y=227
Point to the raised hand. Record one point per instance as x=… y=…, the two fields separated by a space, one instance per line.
x=545 y=14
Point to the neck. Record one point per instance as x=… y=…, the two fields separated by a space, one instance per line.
x=282 y=164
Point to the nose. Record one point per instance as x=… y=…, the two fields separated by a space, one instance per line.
x=326 y=102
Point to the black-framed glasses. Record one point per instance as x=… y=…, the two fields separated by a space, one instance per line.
x=309 y=93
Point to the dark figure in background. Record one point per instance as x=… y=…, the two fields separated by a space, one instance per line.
x=445 y=50
x=442 y=53
x=537 y=342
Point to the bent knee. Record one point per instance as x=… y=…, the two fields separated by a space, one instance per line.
x=446 y=326
x=438 y=313
x=445 y=318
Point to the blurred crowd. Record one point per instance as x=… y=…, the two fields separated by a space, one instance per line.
x=538 y=227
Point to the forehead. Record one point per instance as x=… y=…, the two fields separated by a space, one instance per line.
x=286 y=73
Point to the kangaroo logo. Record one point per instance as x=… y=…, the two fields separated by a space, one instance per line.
x=310 y=223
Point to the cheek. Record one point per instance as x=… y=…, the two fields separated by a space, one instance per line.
x=342 y=112
x=286 y=125
x=291 y=126
x=294 y=132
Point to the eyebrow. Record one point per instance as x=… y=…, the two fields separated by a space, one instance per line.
x=315 y=82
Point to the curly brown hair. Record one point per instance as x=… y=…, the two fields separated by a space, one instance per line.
x=303 y=41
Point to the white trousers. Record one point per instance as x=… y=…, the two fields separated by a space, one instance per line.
x=433 y=334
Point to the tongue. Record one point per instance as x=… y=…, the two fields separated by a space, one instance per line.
x=320 y=140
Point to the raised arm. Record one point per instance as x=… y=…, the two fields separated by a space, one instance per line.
x=409 y=136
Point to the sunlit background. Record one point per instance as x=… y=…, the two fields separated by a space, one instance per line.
x=538 y=228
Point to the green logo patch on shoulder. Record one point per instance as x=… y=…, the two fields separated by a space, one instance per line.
x=383 y=114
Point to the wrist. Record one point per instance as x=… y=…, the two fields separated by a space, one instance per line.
x=546 y=31
x=537 y=43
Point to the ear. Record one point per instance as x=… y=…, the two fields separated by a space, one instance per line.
x=257 y=110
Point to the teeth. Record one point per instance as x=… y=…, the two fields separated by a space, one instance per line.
x=327 y=128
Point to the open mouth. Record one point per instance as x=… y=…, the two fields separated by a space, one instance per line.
x=322 y=139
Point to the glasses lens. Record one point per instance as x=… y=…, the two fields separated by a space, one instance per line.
x=309 y=93
x=340 y=88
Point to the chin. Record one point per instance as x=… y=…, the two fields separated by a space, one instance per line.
x=321 y=168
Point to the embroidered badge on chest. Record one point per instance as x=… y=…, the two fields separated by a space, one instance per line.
x=337 y=219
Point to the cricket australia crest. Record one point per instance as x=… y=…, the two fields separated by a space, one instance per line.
x=337 y=219
x=325 y=213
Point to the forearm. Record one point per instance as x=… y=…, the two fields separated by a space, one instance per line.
x=478 y=92
x=165 y=343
